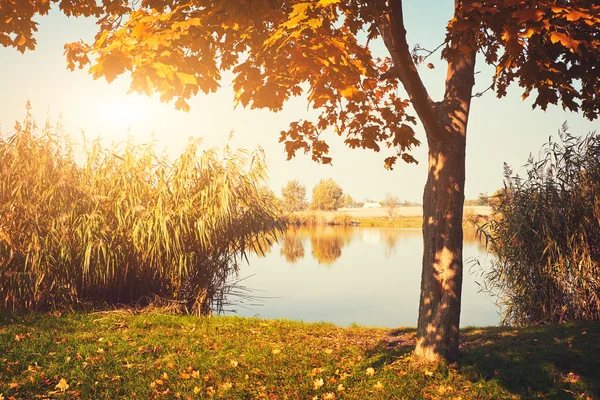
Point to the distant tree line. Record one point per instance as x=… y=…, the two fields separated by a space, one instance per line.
x=327 y=195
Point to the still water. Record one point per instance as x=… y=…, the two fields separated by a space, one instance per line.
x=345 y=275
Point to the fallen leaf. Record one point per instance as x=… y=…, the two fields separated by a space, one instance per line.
x=62 y=385
x=318 y=383
x=378 y=386
x=370 y=371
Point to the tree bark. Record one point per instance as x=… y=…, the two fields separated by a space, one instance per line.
x=441 y=277
x=445 y=124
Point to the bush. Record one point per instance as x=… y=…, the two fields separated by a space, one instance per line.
x=124 y=226
x=546 y=233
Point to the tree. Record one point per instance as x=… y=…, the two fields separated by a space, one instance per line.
x=278 y=49
x=294 y=196
x=327 y=196
x=391 y=204
x=348 y=201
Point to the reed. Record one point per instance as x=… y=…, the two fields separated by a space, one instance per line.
x=546 y=234
x=125 y=226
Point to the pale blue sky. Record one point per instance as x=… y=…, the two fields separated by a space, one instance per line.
x=499 y=129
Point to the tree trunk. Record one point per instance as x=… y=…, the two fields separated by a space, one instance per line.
x=443 y=200
x=445 y=124
x=441 y=278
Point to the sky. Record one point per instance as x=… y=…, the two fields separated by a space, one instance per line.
x=500 y=130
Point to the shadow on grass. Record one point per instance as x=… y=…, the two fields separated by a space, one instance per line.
x=558 y=362
x=399 y=342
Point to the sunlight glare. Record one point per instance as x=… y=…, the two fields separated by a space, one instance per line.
x=122 y=114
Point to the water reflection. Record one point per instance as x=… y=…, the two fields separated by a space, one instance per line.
x=292 y=247
x=327 y=242
x=343 y=275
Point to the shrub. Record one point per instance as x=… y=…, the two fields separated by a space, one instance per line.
x=124 y=226
x=546 y=233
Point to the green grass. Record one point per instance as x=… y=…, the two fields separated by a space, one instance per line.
x=149 y=355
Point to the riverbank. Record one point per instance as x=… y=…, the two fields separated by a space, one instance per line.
x=155 y=355
x=403 y=217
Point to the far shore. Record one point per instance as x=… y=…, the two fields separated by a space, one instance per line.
x=405 y=217
x=484 y=211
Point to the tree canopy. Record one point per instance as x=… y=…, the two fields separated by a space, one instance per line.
x=294 y=196
x=280 y=49
x=327 y=195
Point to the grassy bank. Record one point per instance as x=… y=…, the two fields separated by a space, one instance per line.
x=153 y=355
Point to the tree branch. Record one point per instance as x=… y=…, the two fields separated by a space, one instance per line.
x=394 y=35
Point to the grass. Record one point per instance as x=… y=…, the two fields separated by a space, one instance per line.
x=149 y=355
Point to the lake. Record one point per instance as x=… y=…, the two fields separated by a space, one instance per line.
x=345 y=275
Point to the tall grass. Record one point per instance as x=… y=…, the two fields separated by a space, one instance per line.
x=125 y=226
x=546 y=233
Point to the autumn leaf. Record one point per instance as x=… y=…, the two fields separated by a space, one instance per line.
x=187 y=79
x=62 y=385
x=181 y=104
x=430 y=66
x=317 y=383
x=325 y=3
x=529 y=14
x=564 y=39
x=370 y=371
x=233 y=363
x=349 y=92
x=378 y=386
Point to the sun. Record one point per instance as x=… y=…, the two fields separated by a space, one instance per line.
x=122 y=114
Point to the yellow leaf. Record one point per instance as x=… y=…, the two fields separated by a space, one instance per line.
x=233 y=363
x=378 y=386
x=197 y=390
x=318 y=383
x=314 y=23
x=325 y=3
x=370 y=371
x=329 y=396
x=187 y=79
x=62 y=385
x=349 y=92
x=341 y=388
x=276 y=351
x=181 y=104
